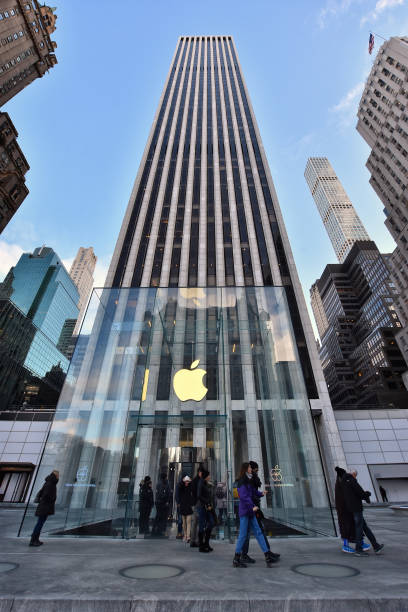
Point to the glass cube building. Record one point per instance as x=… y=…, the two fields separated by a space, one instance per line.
x=199 y=349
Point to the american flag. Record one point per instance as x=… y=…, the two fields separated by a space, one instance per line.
x=371 y=43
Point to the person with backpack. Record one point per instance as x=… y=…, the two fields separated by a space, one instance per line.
x=247 y=510
x=45 y=498
x=221 y=500
x=145 y=504
x=163 y=500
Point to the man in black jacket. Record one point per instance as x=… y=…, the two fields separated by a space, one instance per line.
x=353 y=497
x=46 y=505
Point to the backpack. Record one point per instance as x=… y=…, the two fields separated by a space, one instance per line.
x=219 y=492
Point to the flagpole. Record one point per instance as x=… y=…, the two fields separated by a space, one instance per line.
x=382 y=37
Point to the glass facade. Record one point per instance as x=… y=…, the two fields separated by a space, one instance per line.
x=165 y=378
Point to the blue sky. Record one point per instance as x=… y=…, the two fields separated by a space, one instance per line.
x=83 y=127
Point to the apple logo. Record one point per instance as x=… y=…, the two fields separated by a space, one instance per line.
x=188 y=384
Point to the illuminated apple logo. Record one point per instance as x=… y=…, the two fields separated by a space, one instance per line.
x=188 y=384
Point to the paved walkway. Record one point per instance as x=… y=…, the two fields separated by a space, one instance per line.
x=85 y=574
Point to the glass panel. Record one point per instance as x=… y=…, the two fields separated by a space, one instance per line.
x=163 y=379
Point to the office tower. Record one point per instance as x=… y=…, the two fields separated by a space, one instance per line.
x=383 y=123
x=37 y=297
x=357 y=322
x=200 y=348
x=13 y=167
x=340 y=220
x=82 y=274
x=26 y=49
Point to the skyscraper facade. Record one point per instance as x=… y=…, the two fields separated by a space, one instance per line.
x=26 y=49
x=340 y=220
x=383 y=123
x=200 y=347
x=81 y=273
x=37 y=299
x=357 y=322
x=13 y=167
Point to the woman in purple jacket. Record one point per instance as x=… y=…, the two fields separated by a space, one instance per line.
x=247 y=517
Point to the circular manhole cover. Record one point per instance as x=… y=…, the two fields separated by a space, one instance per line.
x=152 y=571
x=325 y=570
x=5 y=566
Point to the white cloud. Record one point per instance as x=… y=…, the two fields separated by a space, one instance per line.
x=380 y=7
x=9 y=256
x=333 y=8
x=348 y=101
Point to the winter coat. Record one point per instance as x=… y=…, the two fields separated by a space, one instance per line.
x=247 y=493
x=203 y=494
x=353 y=493
x=163 y=493
x=186 y=499
x=47 y=496
x=344 y=516
x=146 y=496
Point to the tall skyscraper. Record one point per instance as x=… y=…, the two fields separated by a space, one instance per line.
x=26 y=49
x=383 y=123
x=340 y=220
x=353 y=306
x=200 y=347
x=37 y=298
x=81 y=273
x=13 y=167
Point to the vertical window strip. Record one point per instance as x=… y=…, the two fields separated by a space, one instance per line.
x=161 y=239
x=195 y=213
x=145 y=237
x=211 y=251
x=256 y=213
x=127 y=243
x=178 y=230
x=226 y=222
x=243 y=231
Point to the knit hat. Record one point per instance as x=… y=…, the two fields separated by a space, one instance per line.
x=186 y=479
x=205 y=473
x=147 y=479
x=254 y=465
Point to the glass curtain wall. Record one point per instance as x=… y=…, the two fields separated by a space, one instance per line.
x=164 y=379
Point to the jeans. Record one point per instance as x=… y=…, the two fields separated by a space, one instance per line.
x=160 y=522
x=194 y=525
x=363 y=529
x=244 y=523
x=246 y=545
x=39 y=526
x=205 y=519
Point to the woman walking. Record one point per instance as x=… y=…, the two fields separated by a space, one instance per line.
x=247 y=517
x=46 y=505
x=186 y=498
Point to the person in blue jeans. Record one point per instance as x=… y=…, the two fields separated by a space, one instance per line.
x=247 y=517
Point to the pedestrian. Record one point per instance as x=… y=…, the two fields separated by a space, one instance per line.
x=256 y=484
x=145 y=504
x=205 y=512
x=221 y=500
x=46 y=505
x=383 y=494
x=247 y=510
x=186 y=498
x=179 y=518
x=354 y=496
x=163 y=499
x=195 y=517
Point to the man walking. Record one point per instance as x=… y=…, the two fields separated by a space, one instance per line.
x=353 y=497
x=46 y=505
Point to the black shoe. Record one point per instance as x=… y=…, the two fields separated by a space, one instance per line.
x=378 y=548
x=35 y=542
x=361 y=553
x=270 y=559
x=236 y=562
x=247 y=559
x=276 y=555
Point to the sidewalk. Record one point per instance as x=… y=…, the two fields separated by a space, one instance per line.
x=84 y=574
